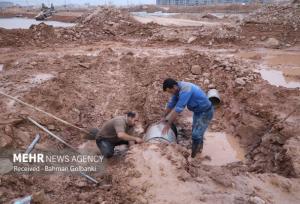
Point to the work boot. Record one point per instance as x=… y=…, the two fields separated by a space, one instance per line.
x=196 y=147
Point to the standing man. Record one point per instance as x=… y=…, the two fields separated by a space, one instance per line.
x=114 y=132
x=190 y=95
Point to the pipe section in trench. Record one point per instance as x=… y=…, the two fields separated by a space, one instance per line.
x=154 y=134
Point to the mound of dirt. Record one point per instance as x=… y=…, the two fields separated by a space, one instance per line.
x=281 y=22
x=113 y=21
x=42 y=31
x=204 y=35
x=276 y=14
x=41 y=34
x=13 y=37
x=101 y=23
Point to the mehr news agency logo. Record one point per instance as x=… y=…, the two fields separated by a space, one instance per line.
x=13 y=161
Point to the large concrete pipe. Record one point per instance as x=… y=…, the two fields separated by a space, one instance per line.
x=154 y=134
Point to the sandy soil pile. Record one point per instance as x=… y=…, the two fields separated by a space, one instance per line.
x=281 y=22
x=208 y=71
x=277 y=14
x=37 y=35
x=9 y=38
x=108 y=22
x=203 y=35
x=112 y=21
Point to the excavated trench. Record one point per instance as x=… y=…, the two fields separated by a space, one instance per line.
x=87 y=90
x=256 y=125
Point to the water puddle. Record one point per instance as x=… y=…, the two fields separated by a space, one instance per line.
x=276 y=78
x=40 y=78
x=221 y=148
x=25 y=23
x=278 y=67
x=1 y=67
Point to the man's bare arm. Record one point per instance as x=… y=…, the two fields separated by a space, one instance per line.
x=171 y=117
x=167 y=111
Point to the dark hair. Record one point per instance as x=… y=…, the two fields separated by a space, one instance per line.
x=169 y=83
x=131 y=114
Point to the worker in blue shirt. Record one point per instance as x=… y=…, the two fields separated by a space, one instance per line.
x=185 y=94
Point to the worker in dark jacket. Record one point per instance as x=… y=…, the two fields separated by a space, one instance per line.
x=185 y=94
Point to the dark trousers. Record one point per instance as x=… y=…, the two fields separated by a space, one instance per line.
x=200 y=124
x=107 y=147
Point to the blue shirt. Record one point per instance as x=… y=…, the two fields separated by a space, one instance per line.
x=189 y=95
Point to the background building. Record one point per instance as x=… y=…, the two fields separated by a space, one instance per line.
x=4 y=4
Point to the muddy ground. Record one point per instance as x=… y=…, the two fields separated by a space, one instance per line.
x=111 y=62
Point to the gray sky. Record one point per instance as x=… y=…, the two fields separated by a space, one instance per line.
x=93 y=2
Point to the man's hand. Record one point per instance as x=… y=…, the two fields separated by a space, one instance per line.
x=138 y=140
x=166 y=129
x=162 y=120
x=171 y=117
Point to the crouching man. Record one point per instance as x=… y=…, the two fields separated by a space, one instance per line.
x=114 y=132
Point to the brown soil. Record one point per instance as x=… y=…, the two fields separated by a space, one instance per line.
x=281 y=22
x=110 y=63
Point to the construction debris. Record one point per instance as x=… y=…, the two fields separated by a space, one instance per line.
x=45 y=13
x=52 y=134
x=34 y=142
